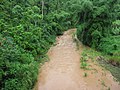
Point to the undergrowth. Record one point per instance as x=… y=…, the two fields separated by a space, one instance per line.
x=103 y=60
x=28 y=28
x=83 y=60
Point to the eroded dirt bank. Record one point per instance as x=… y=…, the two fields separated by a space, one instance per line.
x=63 y=71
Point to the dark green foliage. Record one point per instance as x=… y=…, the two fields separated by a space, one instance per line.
x=18 y=69
x=28 y=28
x=100 y=25
x=110 y=45
x=26 y=34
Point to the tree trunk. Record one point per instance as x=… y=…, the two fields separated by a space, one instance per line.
x=42 y=9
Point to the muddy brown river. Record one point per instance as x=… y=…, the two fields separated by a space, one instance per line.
x=63 y=71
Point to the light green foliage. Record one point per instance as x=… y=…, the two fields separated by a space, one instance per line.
x=83 y=60
x=84 y=65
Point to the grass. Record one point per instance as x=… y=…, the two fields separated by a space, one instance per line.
x=85 y=74
x=105 y=62
x=108 y=88
x=114 y=60
x=84 y=65
x=115 y=71
x=103 y=83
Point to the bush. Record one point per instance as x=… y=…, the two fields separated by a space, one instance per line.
x=100 y=28
x=25 y=37
x=110 y=45
x=18 y=69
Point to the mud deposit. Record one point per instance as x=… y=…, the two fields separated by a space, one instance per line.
x=63 y=71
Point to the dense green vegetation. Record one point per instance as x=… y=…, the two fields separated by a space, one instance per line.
x=28 y=28
x=100 y=26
